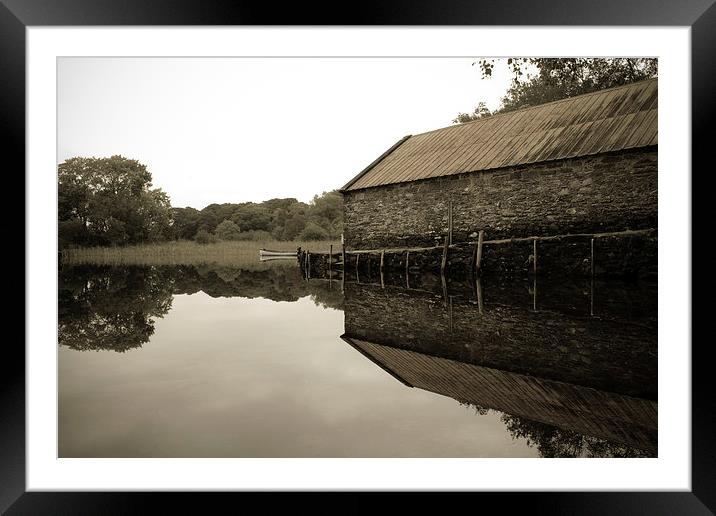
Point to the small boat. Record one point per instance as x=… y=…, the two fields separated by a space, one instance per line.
x=266 y=253
x=273 y=258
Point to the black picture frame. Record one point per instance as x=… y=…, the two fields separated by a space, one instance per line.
x=699 y=15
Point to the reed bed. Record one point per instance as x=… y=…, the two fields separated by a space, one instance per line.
x=185 y=252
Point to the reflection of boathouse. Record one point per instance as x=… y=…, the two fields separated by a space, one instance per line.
x=559 y=365
x=583 y=167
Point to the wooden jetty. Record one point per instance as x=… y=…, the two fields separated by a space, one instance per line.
x=618 y=254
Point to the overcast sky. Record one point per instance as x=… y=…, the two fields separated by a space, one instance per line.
x=235 y=130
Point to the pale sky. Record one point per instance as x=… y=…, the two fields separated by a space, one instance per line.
x=215 y=130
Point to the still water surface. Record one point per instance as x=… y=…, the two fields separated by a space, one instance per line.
x=211 y=361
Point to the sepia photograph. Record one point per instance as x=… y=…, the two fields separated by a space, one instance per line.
x=357 y=257
x=305 y=253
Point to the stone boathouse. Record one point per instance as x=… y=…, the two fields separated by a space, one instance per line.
x=585 y=165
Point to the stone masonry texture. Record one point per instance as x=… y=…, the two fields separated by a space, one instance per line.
x=593 y=194
x=610 y=351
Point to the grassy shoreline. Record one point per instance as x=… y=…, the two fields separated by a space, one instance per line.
x=186 y=252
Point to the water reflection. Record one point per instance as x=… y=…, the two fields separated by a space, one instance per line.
x=567 y=368
x=111 y=307
x=574 y=375
x=114 y=308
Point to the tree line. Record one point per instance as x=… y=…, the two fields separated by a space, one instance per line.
x=279 y=219
x=111 y=202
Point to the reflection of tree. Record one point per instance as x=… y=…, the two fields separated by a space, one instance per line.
x=277 y=284
x=103 y=307
x=481 y=411
x=327 y=296
x=553 y=442
x=111 y=308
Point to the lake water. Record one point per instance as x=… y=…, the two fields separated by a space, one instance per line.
x=209 y=361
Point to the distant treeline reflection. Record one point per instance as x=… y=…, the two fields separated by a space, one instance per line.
x=114 y=308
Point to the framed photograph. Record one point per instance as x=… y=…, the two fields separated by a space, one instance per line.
x=274 y=252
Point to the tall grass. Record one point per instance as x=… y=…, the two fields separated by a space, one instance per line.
x=185 y=252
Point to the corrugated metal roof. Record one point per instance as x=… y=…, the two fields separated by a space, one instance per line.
x=604 y=121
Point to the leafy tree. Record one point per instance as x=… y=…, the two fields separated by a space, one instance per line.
x=481 y=111
x=228 y=230
x=539 y=80
x=313 y=231
x=213 y=215
x=287 y=204
x=204 y=237
x=252 y=217
x=295 y=223
x=71 y=232
x=326 y=211
x=283 y=218
x=109 y=201
x=186 y=223
x=156 y=213
x=289 y=219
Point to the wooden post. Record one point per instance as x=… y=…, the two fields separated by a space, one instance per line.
x=450 y=221
x=357 y=276
x=330 y=260
x=534 y=255
x=473 y=263
x=450 y=314
x=343 y=253
x=308 y=266
x=591 y=280
x=478 y=252
x=443 y=264
x=382 y=259
x=478 y=294
x=443 y=280
x=407 y=262
x=534 y=293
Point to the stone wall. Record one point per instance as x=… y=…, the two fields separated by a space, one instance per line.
x=613 y=350
x=594 y=194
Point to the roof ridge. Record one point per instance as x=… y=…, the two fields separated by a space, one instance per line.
x=527 y=108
